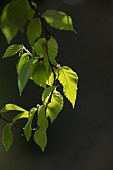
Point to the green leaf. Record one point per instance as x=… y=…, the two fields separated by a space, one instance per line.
x=52 y=49
x=69 y=79
x=7 y=139
x=28 y=128
x=58 y=20
x=46 y=94
x=55 y=106
x=11 y=107
x=17 y=13
x=38 y=46
x=21 y=116
x=24 y=75
x=8 y=29
x=50 y=78
x=34 y=30
x=40 y=138
x=38 y=74
x=30 y=12
x=42 y=119
x=46 y=59
x=23 y=59
x=12 y=50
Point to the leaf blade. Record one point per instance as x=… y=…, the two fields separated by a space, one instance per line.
x=12 y=50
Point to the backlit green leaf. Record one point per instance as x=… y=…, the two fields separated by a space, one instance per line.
x=12 y=50
x=42 y=119
x=52 y=49
x=69 y=79
x=34 y=30
x=28 y=128
x=22 y=115
x=58 y=20
x=11 y=107
x=7 y=139
x=24 y=75
x=23 y=59
x=38 y=46
x=40 y=138
x=8 y=29
x=38 y=74
x=46 y=94
x=55 y=106
x=17 y=13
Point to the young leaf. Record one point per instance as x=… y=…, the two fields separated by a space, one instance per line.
x=12 y=50
x=38 y=46
x=50 y=78
x=24 y=75
x=52 y=49
x=46 y=94
x=68 y=78
x=34 y=30
x=11 y=107
x=21 y=116
x=17 y=13
x=7 y=139
x=55 y=106
x=28 y=129
x=58 y=20
x=23 y=59
x=38 y=74
x=8 y=29
x=40 y=138
x=42 y=119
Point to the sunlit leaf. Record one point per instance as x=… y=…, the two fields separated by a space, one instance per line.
x=38 y=74
x=46 y=94
x=55 y=106
x=22 y=115
x=28 y=128
x=58 y=20
x=17 y=13
x=40 y=138
x=8 y=29
x=34 y=30
x=24 y=75
x=42 y=119
x=52 y=49
x=12 y=50
x=69 y=79
x=11 y=107
x=23 y=59
x=7 y=139
x=38 y=46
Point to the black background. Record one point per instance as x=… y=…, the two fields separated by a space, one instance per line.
x=79 y=139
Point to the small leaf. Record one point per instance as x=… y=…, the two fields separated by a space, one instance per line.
x=38 y=74
x=23 y=59
x=52 y=49
x=24 y=75
x=34 y=30
x=69 y=79
x=21 y=116
x=46 y=94
x=58 y=20
x=55 y=106
x=40 y=138
x=17 y=13
x=42 y=119
x=28 y=129
x=8 y=29
x=38 y=46
x=11 y=107
x=7 y=139
x=12 y=50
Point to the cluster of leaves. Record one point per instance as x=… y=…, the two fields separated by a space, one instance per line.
x=39 y=66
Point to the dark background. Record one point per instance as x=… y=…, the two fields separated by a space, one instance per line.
x=79 y=139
